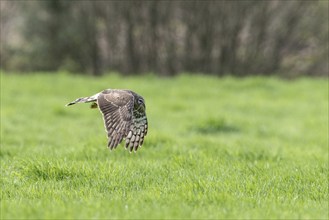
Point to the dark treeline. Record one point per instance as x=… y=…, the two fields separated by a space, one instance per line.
x=166 y=37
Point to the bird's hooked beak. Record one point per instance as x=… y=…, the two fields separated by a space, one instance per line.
x=142 y=107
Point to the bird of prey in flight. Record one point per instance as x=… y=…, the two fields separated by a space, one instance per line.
x=124 y=116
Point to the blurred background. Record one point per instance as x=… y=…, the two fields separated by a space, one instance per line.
x=286 y=38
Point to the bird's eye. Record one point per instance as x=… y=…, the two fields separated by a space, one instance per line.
x=140 y=101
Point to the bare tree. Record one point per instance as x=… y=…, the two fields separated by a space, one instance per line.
x=166 y=37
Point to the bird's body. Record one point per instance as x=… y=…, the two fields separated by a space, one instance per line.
x=124 y=116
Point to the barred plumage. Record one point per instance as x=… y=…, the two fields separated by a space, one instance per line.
x=124 y=116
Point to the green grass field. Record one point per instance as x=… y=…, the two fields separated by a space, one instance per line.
x=216 y=148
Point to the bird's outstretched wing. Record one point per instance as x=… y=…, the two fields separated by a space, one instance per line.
x=116 y=107
x=121 y=119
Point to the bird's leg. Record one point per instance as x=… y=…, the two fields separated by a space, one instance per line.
x=94 y=105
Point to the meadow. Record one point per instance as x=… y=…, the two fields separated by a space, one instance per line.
x=239 y=148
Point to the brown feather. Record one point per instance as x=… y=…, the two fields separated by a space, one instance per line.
x=123 y=118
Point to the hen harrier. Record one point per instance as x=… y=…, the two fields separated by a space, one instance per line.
x=124 y=116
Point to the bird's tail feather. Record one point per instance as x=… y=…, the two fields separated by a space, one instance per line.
x=84 y=100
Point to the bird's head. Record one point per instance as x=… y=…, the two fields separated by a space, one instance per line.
x=140 y=104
